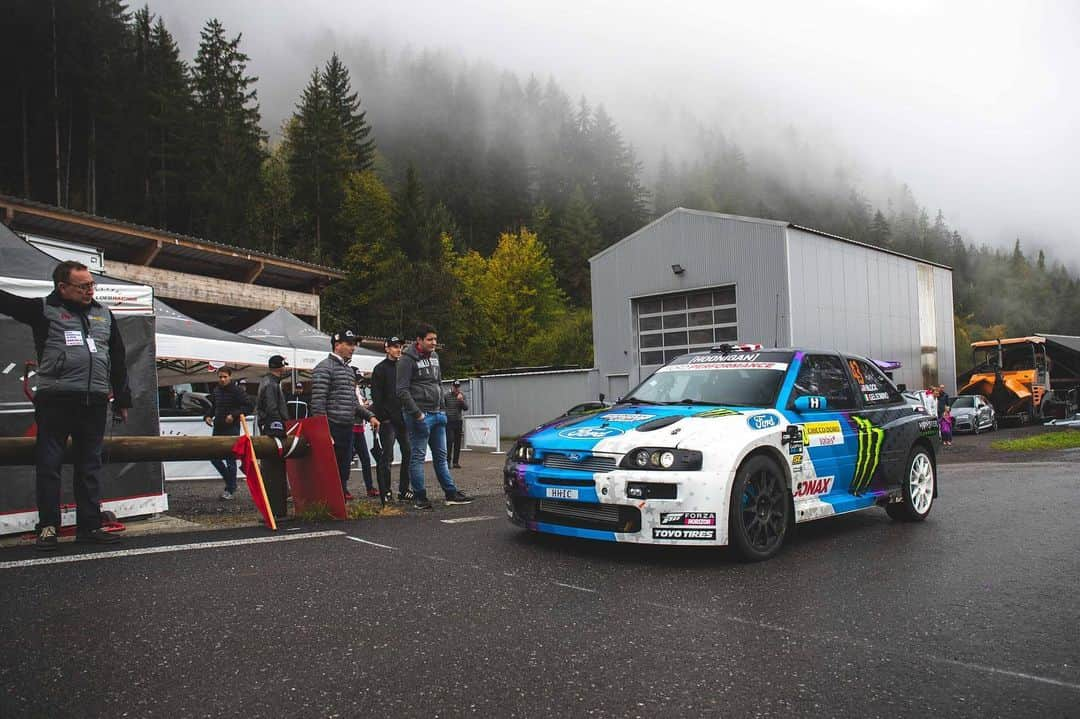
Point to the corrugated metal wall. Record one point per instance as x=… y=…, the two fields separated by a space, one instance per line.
x=715 y=250
x=858 y=299
x=527 y=400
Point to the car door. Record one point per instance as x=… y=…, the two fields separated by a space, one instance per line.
x=829 y=439
x=883 y=426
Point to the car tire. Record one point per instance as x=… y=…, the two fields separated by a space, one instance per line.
x=975 y=425
x=994 y=425
x=761 y=510
x=916 y=488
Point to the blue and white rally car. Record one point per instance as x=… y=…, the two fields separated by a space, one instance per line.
x=731 y=446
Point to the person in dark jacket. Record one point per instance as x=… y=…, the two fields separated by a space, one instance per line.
x=387 y=408
x=419 y=390
x=271 y=410
x=228 y=401
x=455 y=425
x=333 y=395
x=81 y=358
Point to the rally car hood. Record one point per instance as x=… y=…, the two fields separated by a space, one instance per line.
x=624 y=426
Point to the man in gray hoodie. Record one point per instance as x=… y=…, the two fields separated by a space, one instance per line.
x=419 y=388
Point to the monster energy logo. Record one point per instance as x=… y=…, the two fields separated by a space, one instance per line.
x=716 y=413
x=870 y=438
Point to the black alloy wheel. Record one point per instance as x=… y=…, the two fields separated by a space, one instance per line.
x=761 y=509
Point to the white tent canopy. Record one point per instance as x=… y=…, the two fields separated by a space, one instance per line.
x=192 y=351
x=309 y=345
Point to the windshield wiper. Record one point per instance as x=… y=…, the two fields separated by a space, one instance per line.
x=635 y=400
x=689 y=400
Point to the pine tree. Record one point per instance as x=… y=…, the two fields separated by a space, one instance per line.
x=169 y=119
x=574 y=240
x=880 y=232
x=227 y=141
x=317 y=167
x=346 y=103
x=411 y=211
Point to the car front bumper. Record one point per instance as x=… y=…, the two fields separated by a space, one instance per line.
x=666 y=508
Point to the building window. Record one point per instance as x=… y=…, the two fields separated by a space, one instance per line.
x=672 y=325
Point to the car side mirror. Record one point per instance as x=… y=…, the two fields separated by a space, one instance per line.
x=811 y=401
x=902 y=387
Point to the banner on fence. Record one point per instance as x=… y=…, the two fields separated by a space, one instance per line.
x=482 y=432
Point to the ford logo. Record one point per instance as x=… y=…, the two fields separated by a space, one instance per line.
x=590 y=432
x=762 y=421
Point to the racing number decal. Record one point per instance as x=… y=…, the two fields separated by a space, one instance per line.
x=856 y=371
x=869 y=455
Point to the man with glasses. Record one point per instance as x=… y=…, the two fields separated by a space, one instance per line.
x=81 y=359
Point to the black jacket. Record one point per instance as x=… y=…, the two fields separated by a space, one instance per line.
x=230 y=399
x=32 y=311
x=270 y=403
x=385 y=402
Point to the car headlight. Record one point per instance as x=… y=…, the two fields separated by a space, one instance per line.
x=662 y=458
x=523 y=452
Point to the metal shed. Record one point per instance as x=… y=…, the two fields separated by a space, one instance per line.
x=693 y=279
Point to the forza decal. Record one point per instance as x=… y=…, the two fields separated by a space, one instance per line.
x=590 y=432
x=813 y=487
x=762 y=421
x=699 y=534
x=870 y=439
x=713 y=413
x=688 y=519
x=822 y=434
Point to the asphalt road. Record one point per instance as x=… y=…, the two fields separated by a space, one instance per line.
x=972 y=613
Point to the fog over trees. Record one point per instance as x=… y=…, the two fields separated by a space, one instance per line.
x=450 y=191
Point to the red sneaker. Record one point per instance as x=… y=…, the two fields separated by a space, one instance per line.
x=349 y=497
x=373 y=492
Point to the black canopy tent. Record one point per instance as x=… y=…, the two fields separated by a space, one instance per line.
x=127 y=490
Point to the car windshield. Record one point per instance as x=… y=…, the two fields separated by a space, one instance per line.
x=965 y=401
x=739 y=379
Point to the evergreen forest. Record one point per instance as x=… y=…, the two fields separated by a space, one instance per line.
x=451 y=193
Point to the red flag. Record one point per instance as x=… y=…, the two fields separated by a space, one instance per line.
x=245 y=452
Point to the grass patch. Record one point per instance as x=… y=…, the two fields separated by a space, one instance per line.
x=315 y=512
x=367 y=510
x=1064 y=439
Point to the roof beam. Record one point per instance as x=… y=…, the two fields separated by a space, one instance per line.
x=152 y=250
x=254 y=272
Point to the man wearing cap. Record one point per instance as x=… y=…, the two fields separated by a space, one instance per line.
x=387 y=407
x=333 y=395
x=455 y=428
x=419 y=389
x=271 y=411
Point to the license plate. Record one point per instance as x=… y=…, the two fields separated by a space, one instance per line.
x=559 y=493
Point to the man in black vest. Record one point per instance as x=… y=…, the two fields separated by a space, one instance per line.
x=80 y=360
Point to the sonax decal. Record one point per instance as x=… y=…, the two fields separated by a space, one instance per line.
x=813 y=487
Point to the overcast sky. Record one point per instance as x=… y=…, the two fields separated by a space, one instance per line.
x=974 y=104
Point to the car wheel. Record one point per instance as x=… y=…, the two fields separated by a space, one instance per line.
x=761 y=509
x=917 y=488
x=975 y=425
x=994 y=425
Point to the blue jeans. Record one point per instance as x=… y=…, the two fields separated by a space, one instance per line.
x=227 y=467
x=429 y=432
x=343 y=451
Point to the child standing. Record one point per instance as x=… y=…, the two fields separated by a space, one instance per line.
x=945 y=425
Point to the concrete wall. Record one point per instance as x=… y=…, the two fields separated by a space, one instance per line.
x=524 y=401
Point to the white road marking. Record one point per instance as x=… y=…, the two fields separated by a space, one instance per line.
x=9 y=368
x=462 y=520
x=164 y=550
x=986 y=669
x=576 y=588
x=374 y=544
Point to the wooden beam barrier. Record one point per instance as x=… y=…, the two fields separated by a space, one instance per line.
x=20 y=451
